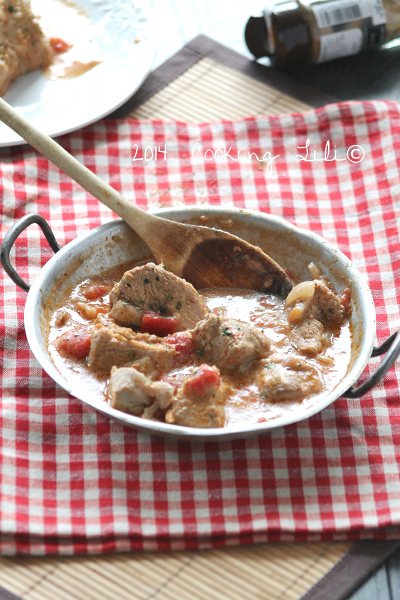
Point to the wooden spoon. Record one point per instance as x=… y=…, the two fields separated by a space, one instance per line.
x=203 y=256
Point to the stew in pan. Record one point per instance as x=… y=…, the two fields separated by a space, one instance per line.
x=152 y=346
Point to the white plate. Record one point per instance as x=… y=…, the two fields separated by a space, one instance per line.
x=64 y=105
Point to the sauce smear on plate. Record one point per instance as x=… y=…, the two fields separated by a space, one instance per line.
x=72 y=36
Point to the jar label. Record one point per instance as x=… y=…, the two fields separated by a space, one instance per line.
x=347 y=27
x=342 y=43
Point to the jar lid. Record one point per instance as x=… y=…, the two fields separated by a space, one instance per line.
x=256 y=36
x=281 y=33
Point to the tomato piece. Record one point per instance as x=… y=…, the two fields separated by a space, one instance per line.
x=183 y=345
x=59 y=46
x=204 y=379
x=175 y=379
x=345 y=300
x=75 y=343
x=155 y=324
x=93 y=292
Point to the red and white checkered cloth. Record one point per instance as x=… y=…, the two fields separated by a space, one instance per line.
x=74 y=481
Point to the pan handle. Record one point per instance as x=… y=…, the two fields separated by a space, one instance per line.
x=11 y=236
x=392 y=346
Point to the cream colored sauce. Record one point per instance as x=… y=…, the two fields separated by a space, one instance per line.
x=264 y=312
x=244 y=404
x=69 y=22
x=73 y=370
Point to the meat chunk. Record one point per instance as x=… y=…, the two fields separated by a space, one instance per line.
x=307 y=337
x=315 y=299
x=312 y=304
x=132 y=392
x=198 y=402
x=124 y=313
x=228 y=343
x=293 y=380
x=116 y=346
x=326 y=306
x=152 y=289
x=23 y=46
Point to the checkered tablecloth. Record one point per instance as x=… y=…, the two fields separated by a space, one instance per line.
x=73 y=481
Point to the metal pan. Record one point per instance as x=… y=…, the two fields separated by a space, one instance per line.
x=115 y=243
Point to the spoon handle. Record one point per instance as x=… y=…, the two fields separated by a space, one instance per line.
x=134 y=216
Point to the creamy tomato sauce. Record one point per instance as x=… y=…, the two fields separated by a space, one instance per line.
x=268 y=314
x=260 y=388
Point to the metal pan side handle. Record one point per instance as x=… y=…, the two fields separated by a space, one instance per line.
x=392 y=346
x=11 y=236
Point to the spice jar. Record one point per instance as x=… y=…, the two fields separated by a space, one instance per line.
x=315 y=31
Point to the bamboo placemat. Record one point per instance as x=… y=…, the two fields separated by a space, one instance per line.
x=267 y=571
x=204 y=84
x=209 y=91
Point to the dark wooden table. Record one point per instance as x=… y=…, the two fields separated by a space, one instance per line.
x=384 y=584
